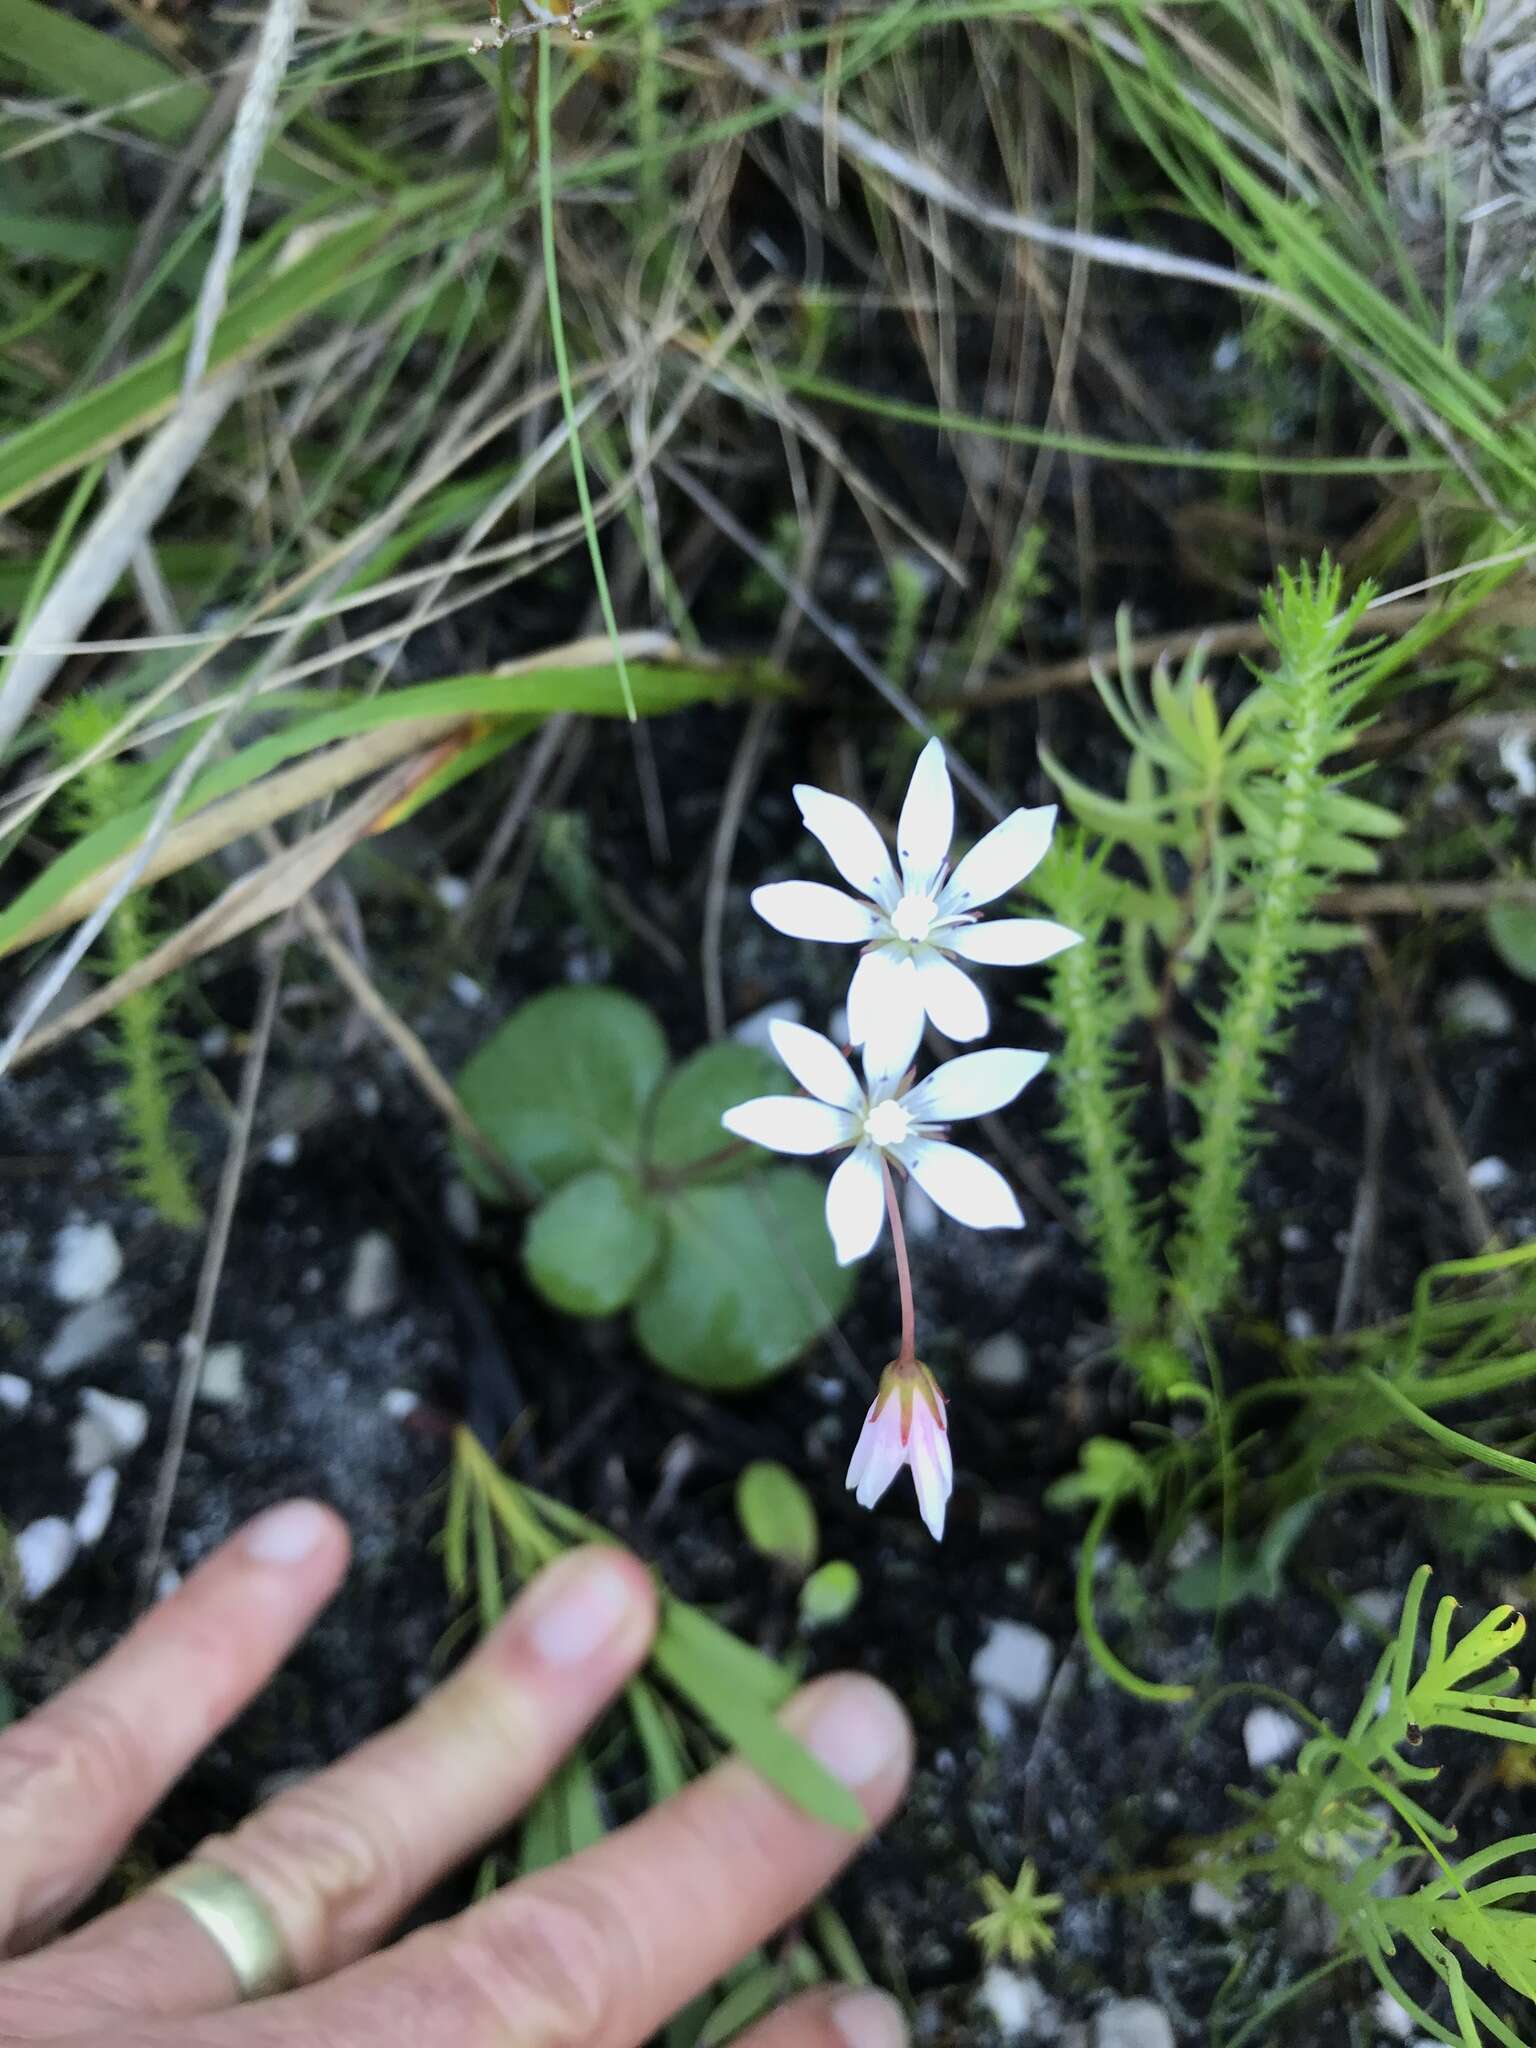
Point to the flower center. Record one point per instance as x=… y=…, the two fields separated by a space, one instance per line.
x=913 y=918
x=887 y=1124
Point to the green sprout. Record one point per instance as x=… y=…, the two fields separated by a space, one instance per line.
x=1015 y=1923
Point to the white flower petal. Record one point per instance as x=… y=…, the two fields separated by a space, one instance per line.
x=1011 y=941
x=895 y=1032
x=813 y=910
x=852 y=840
x=885 y=1458
x=870 y=991
x=856 y=1204
x=927 y=822
x=816 y=1064
x=944 y=1455
x=973 y=1085
x=882 y=1433
x=964 y=1186
x=954 y=1002
x=1000 y=861
x=788 y=1123
x=931 y=1475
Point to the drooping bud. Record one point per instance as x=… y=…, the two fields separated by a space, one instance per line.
x=906 y=1426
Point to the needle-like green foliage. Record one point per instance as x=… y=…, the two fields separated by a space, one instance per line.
x=1093 y=1011
x=1298 y=829
x=1348 y=1821
x=151 y=1062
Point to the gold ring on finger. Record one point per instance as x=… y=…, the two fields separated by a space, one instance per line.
x=239 y=1923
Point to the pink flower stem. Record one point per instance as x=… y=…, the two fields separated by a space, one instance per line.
x=908 y=1353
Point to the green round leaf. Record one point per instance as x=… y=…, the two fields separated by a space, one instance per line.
x=589 y=1246
x=686 y=1127
x=746 y=1281
x=776 y=1515
x=564 y=1083
x=1512 y=928
x=829 y=1595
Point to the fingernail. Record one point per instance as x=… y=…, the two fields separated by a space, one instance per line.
x=289 y=1534
x=870 y=2019
x=577 y=1605
x=857 y=1730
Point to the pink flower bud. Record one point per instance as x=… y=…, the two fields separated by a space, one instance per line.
x=906 y=1426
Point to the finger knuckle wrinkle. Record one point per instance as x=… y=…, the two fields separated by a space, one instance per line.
x=345 y=1867
x=75 y=1757
x=555 y=1967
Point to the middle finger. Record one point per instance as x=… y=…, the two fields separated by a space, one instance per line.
x=339 y=1858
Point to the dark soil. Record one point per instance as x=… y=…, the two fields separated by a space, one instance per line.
x=1094 y=1785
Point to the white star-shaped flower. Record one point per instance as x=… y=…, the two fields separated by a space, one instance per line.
x=914 y=925
x=886 y=1117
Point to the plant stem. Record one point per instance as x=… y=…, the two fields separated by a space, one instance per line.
x=908 y=1352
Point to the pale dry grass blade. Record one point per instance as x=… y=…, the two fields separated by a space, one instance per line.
x=277 y=885
x=108 y=546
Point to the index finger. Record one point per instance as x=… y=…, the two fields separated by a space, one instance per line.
x=599 y=1951
x=79 y=1775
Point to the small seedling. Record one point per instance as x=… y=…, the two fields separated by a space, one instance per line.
x=1016 y=1923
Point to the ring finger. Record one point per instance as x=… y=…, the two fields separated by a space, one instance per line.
x=339 y=1858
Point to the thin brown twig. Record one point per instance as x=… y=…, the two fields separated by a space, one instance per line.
x=210 y=1274
x=423 y=1068
x=1232 y=636
x=1476 y=1223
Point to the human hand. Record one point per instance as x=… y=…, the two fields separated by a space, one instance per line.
x=593 y=1953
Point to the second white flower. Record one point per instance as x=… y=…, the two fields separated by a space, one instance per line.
x=887 y=1117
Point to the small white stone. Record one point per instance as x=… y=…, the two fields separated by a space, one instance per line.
x=109 y=1429
x=1486 y=1176
x=1391 y=2017
x=1015 y=1661
x=44 y=1552
x=282 y=1150
x=15 y=1393
x=400 y=1402
x=373 y=1279
x=1001 y=1360
x=1133 y=2023
x=461 y=1210
x=995 y=1716
x=754 y=1030
x=96 y=1508
x=1476 y=1009
x=86 y=1260
x=1269 y=1736
x=1208 y=1902
x=1227 y=354
x=1193 y=1542
x=1378 y=1604
x=86 y=1336
x=465 y=990
x=221 y=1382
x=1019 y=2007
x=452 y=891
x=1299 y=1324
x=1515 y=759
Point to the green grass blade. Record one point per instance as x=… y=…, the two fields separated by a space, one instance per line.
x=563 y=367
x=101 y=419
x=536 y=693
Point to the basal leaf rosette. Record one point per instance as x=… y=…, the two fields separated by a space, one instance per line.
x=644 y=1203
